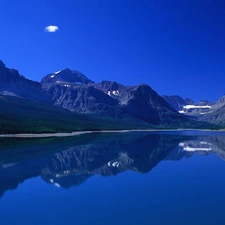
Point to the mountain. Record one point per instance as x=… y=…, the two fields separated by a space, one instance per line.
x=85 y=99
x=72 y=90
x=177 y=102
x=201 y=111
x=140 y=101
x=14 y=84
x=65 y=77
x=144 y=103
x=75 y=92
x=62 y=97
x=216 y=114
x=187 y=106
x=113 y=89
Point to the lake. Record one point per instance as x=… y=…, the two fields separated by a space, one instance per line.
x=114 y=178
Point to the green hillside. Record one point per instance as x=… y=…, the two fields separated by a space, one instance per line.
x=19 y=115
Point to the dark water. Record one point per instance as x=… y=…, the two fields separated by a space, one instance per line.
x=173 y=178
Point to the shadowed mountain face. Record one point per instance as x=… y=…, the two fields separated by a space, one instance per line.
x=187 y=106
x=65 y=77
x=85 y=99
x=176 y=102
x=146 y=104
x=12 y=83
x=74 y=91
x=216 y=114
x=67 y=162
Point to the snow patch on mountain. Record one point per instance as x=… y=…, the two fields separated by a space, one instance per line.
x=200 y=109
x=113 y=164
x=57 y=72
x=8 y=93
x=197 y=107
x=110 y=93
x=52 y=76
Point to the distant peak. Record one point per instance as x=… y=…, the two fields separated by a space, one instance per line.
x=65 y=76
x=66 y=70
x=221 y=100
x=144 y=86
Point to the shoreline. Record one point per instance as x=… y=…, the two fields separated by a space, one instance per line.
x=76 y=133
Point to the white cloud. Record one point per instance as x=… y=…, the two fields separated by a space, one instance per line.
x=51 y=28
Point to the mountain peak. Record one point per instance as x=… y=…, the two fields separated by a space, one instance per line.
x=2 y=68
x=221 y=101
x=14 y=84
x=144 y=88
x=65 y=76
x=2 y=65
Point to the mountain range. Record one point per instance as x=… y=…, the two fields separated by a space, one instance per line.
x=213 y=112
x=67 y=100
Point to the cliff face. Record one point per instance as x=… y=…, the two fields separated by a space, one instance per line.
x=85 y=99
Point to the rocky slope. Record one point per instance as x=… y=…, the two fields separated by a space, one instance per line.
x=177 y=102
x=65 y=77
x=14 y=84
x=187 y=106
x=216 y=114
x=74 y=91
x=201 y=111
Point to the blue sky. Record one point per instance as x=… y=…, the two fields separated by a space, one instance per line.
x=176 y=47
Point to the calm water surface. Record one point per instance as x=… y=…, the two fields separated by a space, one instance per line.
x=130 y=178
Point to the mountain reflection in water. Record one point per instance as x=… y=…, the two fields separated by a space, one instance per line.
x=67 y=162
